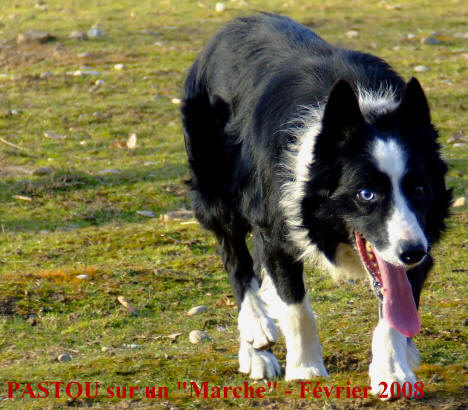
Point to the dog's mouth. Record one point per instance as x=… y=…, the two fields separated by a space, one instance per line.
x=392 y=288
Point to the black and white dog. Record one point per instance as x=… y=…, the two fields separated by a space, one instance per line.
x=319 y=152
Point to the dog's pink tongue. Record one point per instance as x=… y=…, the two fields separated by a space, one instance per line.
x=399 y=309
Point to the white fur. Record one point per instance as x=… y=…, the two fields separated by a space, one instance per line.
x=376 y=102
x=299 y=157
x=255 y=327
x=258 y=364
x=297 y=322
x=402 y=225
x=392 y=358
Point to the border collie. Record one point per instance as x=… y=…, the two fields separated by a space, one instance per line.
x=320 y=152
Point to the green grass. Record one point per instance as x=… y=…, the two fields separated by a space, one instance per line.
x=79 y=221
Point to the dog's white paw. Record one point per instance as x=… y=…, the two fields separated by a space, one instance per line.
x=393 y=358
x=255 y=326
x=305 y=372
x=258 y=364
x=383 y=379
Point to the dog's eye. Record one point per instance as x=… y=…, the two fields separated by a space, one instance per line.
x=366 y=195
x=418 y=192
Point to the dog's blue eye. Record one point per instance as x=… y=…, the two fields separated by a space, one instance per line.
x=366 y=195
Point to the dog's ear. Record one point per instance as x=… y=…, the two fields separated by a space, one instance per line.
x=413 y=110
x=342 y=115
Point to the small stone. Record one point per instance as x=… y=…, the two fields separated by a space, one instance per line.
x=458 y=137
x=431 y=40
x=459 y=202
x=220 y=7
x=352 y=33
x=86 y=55
x=176 y=215
x=132 y=141
x=42 y=171
x=64 y=357
x=197 y=336
x=33 y=36
x=118 y=67
x=420 y=68
x=196 y=310
x=78 y=35
x=130 y=346
x=95 y=33
x=176 y=101
x=54 y=136
x=109 y=172
x=148 y=214
x=435 y=378
x=83 y=276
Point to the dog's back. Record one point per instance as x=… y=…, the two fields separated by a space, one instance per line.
x=256 y=73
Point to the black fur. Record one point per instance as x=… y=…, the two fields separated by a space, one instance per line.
x=244 y=94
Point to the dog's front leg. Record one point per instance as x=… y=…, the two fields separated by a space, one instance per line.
x=393 y=358
x=284 y=294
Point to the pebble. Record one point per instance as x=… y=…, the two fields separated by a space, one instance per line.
x=197 y=336
x=95 y=33
x=83 y=276
x=130 y=346
x=176 y=215
x=148 y=214
x=196 y=310
x=420 y=68
x=461 y=201
x=176 y=101
x=33 y=36
x=81 y=73
x=220 y=7
x=132 y=141
x=42 y=171
x=54 y=136
x=64 y=357
x=352 y=33
x=431 y=40
x=78 y=35
x=118 y=67
x=109 y=171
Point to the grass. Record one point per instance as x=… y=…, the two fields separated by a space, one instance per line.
x=77 y=220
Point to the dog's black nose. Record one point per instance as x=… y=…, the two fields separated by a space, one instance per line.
x=412 y=254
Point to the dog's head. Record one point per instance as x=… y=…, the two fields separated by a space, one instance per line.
x=385 y=176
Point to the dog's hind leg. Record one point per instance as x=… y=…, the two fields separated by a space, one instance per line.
x=284 y=294
x=257 y=330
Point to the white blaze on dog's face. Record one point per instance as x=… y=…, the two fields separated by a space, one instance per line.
x=402 y=227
